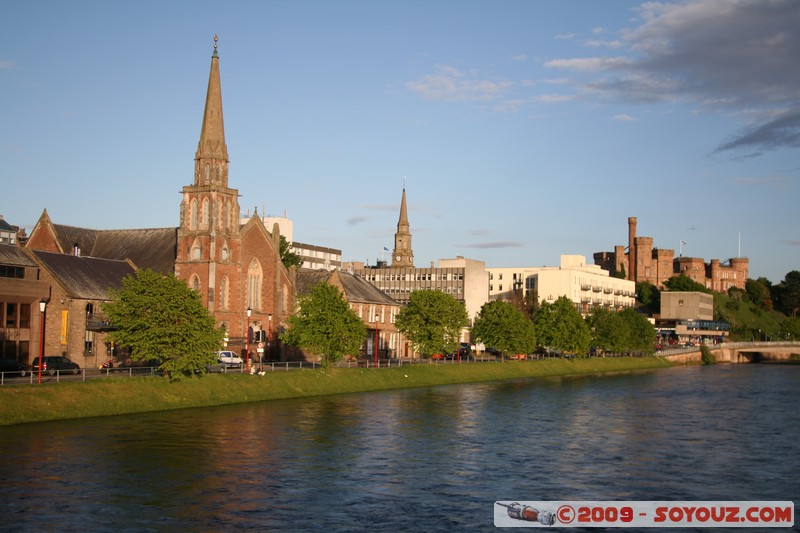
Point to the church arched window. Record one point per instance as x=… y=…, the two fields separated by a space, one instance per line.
x=205 y=213
x=254 y=278
x=224 y=293
x=195 y=283
x=193 y=214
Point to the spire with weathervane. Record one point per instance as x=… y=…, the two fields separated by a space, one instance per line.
x=211 y=159
x=208 y=236
x=403 y=256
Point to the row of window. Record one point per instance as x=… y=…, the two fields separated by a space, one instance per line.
x=201 y=217
x=415 y=277
x=8 y=271
x=15 y=315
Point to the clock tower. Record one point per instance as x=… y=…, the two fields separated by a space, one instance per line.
x=403 y=256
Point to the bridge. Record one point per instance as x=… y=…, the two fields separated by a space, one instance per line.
x=739 y=352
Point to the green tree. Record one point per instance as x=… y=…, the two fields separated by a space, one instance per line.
x=640 y=335
x=790 y=329
x=432 y=321
x=683 y=283
x=560 y=326
x=504 y=327
x=528 y=304
x=649 y=296
x=758 y=292
x=325 y=325
x=158 y=317
x=788 y=292
x=288 y=257
x=608 y=330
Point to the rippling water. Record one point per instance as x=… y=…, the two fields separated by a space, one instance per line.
x=431 y=459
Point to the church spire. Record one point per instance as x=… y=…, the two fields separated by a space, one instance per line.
x=403 y=256
x=211 y=159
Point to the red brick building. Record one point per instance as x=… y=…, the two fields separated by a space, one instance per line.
x=236 y=269
x=641 y=262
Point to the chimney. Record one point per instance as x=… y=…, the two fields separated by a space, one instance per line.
x=632 y=248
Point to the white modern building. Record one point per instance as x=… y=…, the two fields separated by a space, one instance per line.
x=588 y=286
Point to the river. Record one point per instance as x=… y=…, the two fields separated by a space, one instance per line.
x=430 y=459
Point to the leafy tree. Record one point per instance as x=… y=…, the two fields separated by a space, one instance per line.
x=607 y=330
x=683 y=283
x=288 y=257
x=527 y=304
x=790 y=329
x=789 y=293
x=620 y=272
x=757 y=291
x=504 y=327
x=640 y=333
x=560 y=326
x=432 y=321
x=649 y=295
x=325 y=325
x=160 y=318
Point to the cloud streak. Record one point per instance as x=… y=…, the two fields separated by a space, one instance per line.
x=493 y=244
x=449 y=84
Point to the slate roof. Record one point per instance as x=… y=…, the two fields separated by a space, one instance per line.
x=356 y=288
x=360 y=290
x=11 y=254
x=155 y=249
x=83 y=277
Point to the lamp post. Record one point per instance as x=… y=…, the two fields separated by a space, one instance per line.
x=269 y=338
x=42 y=307
x=247 y=341
x=377 y=340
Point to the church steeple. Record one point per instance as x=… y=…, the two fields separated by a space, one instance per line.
x=403 y=256
x=211 y=159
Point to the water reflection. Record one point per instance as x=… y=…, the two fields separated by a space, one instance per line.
x=419 y=459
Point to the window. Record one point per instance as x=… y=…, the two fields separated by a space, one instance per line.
x=193 y=214
x=11 y=315
x=8 y=271
x=254 y=277
x=195 y=283
x=205 y=213
x=224 y=290
x=25 y=316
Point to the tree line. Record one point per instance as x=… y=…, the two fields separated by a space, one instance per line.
x=159 y=318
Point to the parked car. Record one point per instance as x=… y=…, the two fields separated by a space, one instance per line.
x=464 y=351
x=12 y=367
x=227 y=358
x=54 y=363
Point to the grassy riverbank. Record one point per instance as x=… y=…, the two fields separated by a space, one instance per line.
x=116 y=396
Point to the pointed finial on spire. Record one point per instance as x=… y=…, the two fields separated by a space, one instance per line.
x=215 y=44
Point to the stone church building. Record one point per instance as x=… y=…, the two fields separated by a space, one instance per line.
x=236 y=269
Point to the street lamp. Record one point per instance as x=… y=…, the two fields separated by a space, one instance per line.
x=377 y=340
x=269 y=338
x=42 y=307
x=247 y=341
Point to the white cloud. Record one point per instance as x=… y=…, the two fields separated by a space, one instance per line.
x=624 y=118
x=451 y=85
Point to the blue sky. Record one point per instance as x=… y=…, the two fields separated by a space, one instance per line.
x=524 y=129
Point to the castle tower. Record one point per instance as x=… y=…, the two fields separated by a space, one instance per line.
x=208 y=236
x=403 y=256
